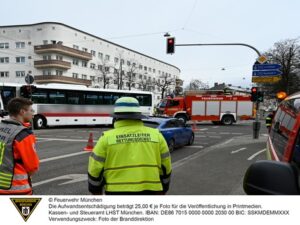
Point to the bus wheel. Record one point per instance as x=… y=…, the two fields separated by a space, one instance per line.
x=227 y=120
x=38 y=122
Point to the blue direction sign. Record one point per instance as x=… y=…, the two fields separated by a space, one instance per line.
x=266 y=67
x=266 y=73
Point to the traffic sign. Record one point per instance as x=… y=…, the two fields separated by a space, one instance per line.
x=266 y=67
x=262 y=59
x=266 y=73
x=29 y=79
x=266 y=79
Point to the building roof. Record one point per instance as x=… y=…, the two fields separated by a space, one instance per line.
x=62 y=24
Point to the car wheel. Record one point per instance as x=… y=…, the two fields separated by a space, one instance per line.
x=191 y=140
x=227 y=120
x=38 y=122
x=171 y=145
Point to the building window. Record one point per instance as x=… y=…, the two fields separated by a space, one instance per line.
x=92 y=65
x=99 y=79
x=75 y=75
x=153 y=70
x=106 y=69
x=4 y=45
x=20 y=59
x=93 y=52
x=115 y=82
x=140 y=76
x=4 y=60
x=84 y=64
x=59 y=72
x=149 y=69
x=75 y=62
x=100 y=67
x=84 y=49
x=145 y=77
x=134 y=64
x=128 y=63
x=115 y=71
x=116 y=60
x=20 y=44
x=4 y=74
x=140 y=67
x=122 y=61
x=145 y=68
x=92 y=78
x=47 y=72
x=46 y=57
x=20 y=73
x=59 y=57
x=76 y=47
x=84 y=76
x=100 y=55
x=107 y=57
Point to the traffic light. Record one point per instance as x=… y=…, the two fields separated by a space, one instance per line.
x=170 y=45
x=254 y=94
x=260 y=96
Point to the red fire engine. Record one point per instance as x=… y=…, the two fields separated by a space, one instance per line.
x=218 y=107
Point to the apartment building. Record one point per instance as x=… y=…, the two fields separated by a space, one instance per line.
x=57 y=53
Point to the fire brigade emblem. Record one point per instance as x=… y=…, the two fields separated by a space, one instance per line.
x=25 y=206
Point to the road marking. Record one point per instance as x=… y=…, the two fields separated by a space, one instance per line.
x=256 y=154
x=63 y=156
x=74 y=178
x=214 y=136
x=237 y=133
x=227 y=142
x=211 y=132
x=265 y=135
x=200 y=136
x=60 y=139
x=216 y=127
x=224 y=133
x=236 y=151
x=41 y=141
x=203 y=129
x=194 y=146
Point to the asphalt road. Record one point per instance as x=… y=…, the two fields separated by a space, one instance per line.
x=214 y=164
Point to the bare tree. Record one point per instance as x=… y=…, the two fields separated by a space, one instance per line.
x=164 y=84
x=119 y=73
x=103 y=71
x=196 y=84
x=131 y=73
x=287 y=54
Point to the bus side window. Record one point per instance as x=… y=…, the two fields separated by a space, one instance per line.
x=57 y=97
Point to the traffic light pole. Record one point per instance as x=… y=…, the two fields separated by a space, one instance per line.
x=256 y=124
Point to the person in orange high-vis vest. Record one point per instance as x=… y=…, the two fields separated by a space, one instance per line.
x=18 y=157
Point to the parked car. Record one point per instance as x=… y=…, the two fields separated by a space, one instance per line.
x=175 y=131
x=279 y=175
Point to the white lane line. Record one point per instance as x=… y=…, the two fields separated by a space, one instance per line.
x=203 y=129
x=265 y=135
x=60 y=139
x=63 y=156
x=211 y=132
x=216 y=127
x=226 y=142
x=256 y=154
x=236 y=151
x=237 y=133
x=41 y=141
x=200 y=136
x=214 y=136
x=224 y=133
x=194 y=146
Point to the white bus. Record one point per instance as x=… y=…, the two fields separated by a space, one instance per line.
x=64 y=104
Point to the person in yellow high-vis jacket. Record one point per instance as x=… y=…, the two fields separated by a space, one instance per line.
x=130 y=159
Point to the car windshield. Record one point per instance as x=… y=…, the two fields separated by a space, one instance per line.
x=151 y=124
x=162 y=104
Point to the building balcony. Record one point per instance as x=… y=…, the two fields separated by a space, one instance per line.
x=64 y=50
x=52 y=64
x=44 y=79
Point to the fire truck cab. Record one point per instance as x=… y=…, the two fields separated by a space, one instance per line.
x=218 y=108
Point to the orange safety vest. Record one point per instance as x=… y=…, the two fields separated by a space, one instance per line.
x=25 y=160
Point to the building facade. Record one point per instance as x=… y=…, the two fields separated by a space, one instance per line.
x=57 y=53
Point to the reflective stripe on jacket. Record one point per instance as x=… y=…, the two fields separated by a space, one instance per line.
x=21 y=159
x=130 y=158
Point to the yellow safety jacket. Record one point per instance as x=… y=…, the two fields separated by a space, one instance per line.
x=269 y=120
x=130 y=158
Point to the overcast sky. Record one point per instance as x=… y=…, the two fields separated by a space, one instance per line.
x=140 y=25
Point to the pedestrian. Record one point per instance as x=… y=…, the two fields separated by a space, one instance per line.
x=18 y=157
x=131 y=158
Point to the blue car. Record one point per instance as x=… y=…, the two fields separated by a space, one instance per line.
x=175 y=131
